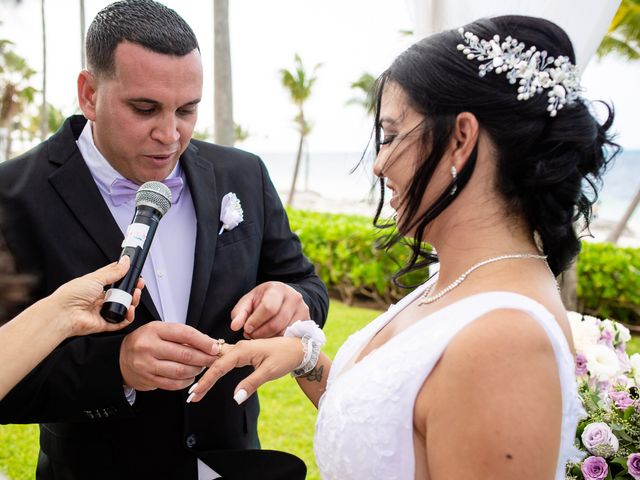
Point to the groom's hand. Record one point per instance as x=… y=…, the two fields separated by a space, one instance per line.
x=268 y=309
x=164 y=355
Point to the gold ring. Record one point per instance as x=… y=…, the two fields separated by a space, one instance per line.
x=220 y=342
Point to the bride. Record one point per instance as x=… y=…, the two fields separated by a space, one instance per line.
x=486 y=144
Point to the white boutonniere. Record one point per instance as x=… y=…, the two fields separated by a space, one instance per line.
x=230 y=212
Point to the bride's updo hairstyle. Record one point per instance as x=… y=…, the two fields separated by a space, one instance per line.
x=549 y=166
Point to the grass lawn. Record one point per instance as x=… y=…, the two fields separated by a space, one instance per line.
x=287 y=419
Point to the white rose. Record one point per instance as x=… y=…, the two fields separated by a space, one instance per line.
x=634 y=360
x=602 y=362
x=600 y=440
x=623 y=332
x=592 y=319
x=585 y=332
x=574 y=316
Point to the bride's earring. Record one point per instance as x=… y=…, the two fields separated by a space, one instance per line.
x=454 y=176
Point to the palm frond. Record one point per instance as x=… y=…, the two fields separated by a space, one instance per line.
x=611 y=45
x=623 y=37
x=365 y=84
x=298 y=81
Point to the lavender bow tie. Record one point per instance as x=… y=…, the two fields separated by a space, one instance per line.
x=123 y=190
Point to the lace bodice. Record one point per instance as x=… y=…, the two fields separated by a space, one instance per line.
x=364 y=428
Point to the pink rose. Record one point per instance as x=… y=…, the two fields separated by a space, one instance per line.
x=581 y=364
x=622 y=400
x=606 y=337
x=594 y=468
x=633 y=465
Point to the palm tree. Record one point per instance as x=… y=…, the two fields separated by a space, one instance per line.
x=615 y=234
x=16 y=94
x=299 y=84
x=365 y=85
x=223 y=95
x=623 y=39
x=240 y=134
x=83 y=60
x=44 y=116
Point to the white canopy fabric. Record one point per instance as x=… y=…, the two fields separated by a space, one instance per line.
x=585 y=21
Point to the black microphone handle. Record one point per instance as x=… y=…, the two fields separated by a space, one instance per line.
x=117 y=299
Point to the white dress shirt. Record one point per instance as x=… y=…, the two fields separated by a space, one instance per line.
x=168 y=269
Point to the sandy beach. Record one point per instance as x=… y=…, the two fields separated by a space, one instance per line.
x=310 y=200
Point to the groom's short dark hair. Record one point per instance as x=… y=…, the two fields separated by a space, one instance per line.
x=144 y=22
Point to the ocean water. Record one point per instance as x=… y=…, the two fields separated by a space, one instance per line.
x=621 y=183
x=328 y=174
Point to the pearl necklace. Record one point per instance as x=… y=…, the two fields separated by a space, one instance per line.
x=426 y=299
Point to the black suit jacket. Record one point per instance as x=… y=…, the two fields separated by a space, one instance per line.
x=57 y=225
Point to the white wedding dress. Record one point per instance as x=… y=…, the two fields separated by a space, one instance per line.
x=364 y=428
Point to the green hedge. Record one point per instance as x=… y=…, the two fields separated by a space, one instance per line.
x=342 y=248
x=609 y=281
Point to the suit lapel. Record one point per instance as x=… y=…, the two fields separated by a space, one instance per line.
x=75 y=185
x=202 y=185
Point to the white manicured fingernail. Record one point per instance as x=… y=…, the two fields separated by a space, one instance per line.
x=240 y=396
x=193 y=387
x=191 y=397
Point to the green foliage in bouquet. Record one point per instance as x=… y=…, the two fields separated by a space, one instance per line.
x=609 y=281
x=608 y=381
x=342 y=247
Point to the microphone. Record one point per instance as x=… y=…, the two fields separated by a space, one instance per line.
x=153 y=200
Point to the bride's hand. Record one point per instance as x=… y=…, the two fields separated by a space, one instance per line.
x=272 y=358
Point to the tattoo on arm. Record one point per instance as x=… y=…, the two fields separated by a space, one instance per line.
x=315 y=375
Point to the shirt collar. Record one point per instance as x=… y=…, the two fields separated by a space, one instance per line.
x=101 y=170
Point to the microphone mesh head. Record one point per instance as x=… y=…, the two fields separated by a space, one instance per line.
x=155 y=195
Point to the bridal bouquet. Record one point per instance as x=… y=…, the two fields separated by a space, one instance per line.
x=608 y=383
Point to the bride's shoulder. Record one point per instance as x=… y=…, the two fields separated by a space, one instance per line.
x=494 y=388
x=499 y=332
x=500 y=345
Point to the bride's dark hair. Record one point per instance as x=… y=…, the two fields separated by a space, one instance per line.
x=549 y=168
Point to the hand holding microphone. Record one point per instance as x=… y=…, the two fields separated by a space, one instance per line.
x=153 y=200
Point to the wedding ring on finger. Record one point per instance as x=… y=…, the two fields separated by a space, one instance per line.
x=220 y=343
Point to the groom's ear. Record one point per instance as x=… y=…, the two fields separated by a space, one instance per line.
x=87 y=84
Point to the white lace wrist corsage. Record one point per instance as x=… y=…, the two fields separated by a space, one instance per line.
x=312 y=338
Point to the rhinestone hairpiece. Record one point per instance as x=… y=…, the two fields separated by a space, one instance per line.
x=534 y=70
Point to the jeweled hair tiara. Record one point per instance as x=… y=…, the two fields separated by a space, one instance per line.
x=534 y=70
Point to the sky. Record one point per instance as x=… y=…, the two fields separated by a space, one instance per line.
x=347 y=37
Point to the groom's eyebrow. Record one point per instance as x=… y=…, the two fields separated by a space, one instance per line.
x=156 y=102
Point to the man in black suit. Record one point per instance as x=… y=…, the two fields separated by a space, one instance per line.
x=114 y=405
